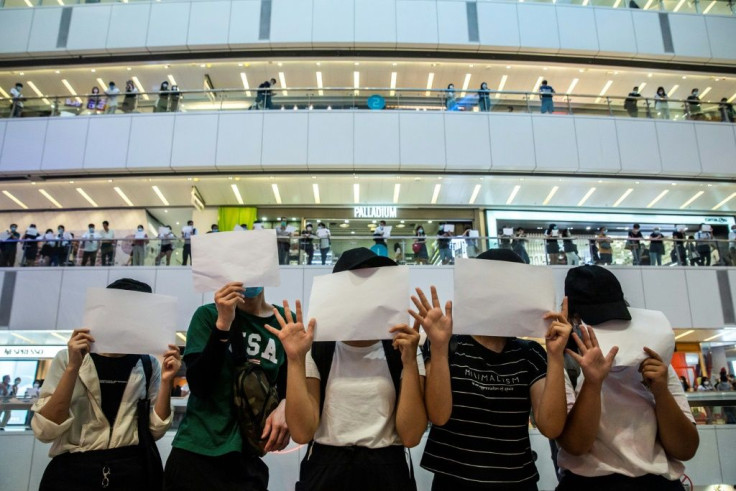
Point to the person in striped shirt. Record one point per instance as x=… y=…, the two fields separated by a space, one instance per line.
x=478 y=393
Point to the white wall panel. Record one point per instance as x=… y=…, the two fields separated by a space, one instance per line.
x=416 y=23
x=128 y=27
x=209 y=25
x=664 y=290
x=73 y=294
x=678 y=148
x=291 y=288
x=732 y=281
x=307 y=279
x=631 y=284
x=16 y=455
x=597 y=145
x=717 y=146
x=705 y=467
x=452 y=25
x=381 y=149
x=638 y=146
x=422 y=140
x=466 y=141
x=705 y=302
x=239 y=140
x=425 y=276
x=330 y=140
x=291 y=22
x=3 y=126
x=150 y=141
x=65 y=143
x=15 y=24
x=284 y=139
x=720 y=28
x=726 y=439
x=577 y=29
x=615 y=32
x=114 y=131
x=168 y=26
x=511 y=142
x=88 y=28
x=370 y=33
x=649 y=42
x=538 y=27
x=498 y=26
x=178 y=282
x=244 y=24
x=333 y=23
x=555 y=143
x=39 y=460
x=690 y=37
x=23 y=145
x=195 y=140
x=45 y=32
x=27 y=311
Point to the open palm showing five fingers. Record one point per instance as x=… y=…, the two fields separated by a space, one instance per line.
x=295 y=339
x=436 y=322
x=594 y=364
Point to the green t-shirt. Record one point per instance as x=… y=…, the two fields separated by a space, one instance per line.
x=209 y=426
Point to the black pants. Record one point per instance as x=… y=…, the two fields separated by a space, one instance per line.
x=284 y=252
x=7 y=257
x=442 y=482
x=106 y=254
x=704 y=252
x=90 y=257
x=187 y=254
x=120 y=468
x=355 y=469
x=617 y=482
x=323 y=253
x=309 y=250
x=188 y=471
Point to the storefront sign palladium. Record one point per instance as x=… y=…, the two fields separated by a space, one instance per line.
x=374 y=212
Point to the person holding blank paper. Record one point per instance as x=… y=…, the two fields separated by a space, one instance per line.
x=628 y=427
x=89 y=411
x=360 y=403
x=209 y=451
x=479 y=392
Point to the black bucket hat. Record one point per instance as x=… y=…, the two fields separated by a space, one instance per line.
x=131 y=285
x=501 y=255
x=359 y=258
x=595 y=294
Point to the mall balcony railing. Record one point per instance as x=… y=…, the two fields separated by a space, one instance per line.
x=534 y=249
x=371 y=98
x=705 y=7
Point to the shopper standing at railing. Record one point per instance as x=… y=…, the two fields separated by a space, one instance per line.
x=324 y=241
x=30 y=246
x=16 y=106
x=732 y=245
x=186 y=234
x=545 y=95
x=9 y=246
x=725 y=108
x=605 y=248
x=61 y=247
x=552 y=245
x=570 y=248
x=518 y=245
x=634 y=244
x=680 y=251
x=139 y=246
x=484 y=98
x=130 y=101
x=264 y=95
x=661 y=103
x=174 y=99
x=631 y=104
x=443 y=245
x=283 y=242
x=471 y=243
x=107 y=246
x=693 y=105
x=91 y=245
x=419 y=247
x=162 y=104
x=656 y=247
x=112 y=93
x=93 y=101
x=450 y=100
x=306 y=244
x=703 y=243
x=166 y=236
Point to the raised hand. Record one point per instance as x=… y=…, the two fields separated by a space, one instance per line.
x=595 y=366
x=406 y=340
x=227 y=299
x=78 y=346
x=295 y=339
x=654 y=372
x=436 y=323
x=558 y=331
x=171 y=364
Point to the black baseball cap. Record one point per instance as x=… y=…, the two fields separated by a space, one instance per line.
x=595 y=294
x=359 y=258
x=501 y=255
x=131 y=285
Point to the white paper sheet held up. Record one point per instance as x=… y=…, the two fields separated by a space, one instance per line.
x=257 y=226
x=449 y=228
x=648 y=328
x=359 y=305
x=474 y=233
x=498 y=298
x=250 y=256
x=508 y=231
x=387 y=231
x=290 y=229
x=123 y=321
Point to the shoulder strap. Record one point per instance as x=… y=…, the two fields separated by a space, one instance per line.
x=322 y=354
x=148 y=370
x=393 y=358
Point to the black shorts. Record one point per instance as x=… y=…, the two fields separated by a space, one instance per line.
x=120 y=468
x=166 y=248
x=189 y=471
x=617 y=482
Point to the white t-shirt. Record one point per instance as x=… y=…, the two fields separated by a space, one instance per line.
x=360 y=400
x=627 y=434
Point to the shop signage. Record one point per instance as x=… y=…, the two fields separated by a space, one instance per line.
x=716 y=220
x=25 y=352
x=374 y=212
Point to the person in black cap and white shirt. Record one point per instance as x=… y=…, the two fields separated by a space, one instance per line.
x=628 y=427
x=479 y=392
x=87 y=410
x=345 y=397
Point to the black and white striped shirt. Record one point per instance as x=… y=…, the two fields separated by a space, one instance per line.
x=486 y=440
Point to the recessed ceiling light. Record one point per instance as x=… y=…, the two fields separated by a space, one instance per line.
x=659 y=197
x=474 y=195
x=436 y=193
x=733 y=195
x=397 y=189
x=623 y=197
x=512 y=196
x=356 y=193
x=123 y=196
x=693 y=198
x=315 y=191
x=276 y=193
x=50 y=198
x=160 y=195
x=15 y=200
x=550 y=195
x=236 y=192
x=87 y=197
x=587 y=195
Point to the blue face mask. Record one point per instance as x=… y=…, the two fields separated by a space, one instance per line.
x=252 y=291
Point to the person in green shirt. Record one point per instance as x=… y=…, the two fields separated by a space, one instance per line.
x=208 y=451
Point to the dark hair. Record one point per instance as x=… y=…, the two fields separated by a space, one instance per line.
x=95 y=90
x=48 y=230
x=450 y=85
x=106 y=222
x=382 y=222
x=661 y=89
x=33 y=225
x=190 y=222
x=131 y=285
x=18 y=84
x=320 y=224
x=91 y=225
x=544 y=82
x=636 y=225
x=14 y=225
x=164 y=85
x=111 y=83
x=213 y=226
x=273 y=80
x=140 y=226
x=551 y=227
x=61 y=226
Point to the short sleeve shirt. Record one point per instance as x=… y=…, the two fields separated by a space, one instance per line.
x=209 y=426
x=486 y=440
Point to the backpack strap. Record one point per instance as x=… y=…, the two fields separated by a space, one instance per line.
x=393 y=358
x=147 y=370
x=322 y=353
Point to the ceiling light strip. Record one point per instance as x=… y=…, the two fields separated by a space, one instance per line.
x=15 y=200
x=236 y=192
x=623 y=197
x=160 y=195
x=512 y=196
x=356 y=193
x=397 y=190
x=276 y=193
x=123 y=196
x=683 y=334
x=587 y=195
x=50 y=198
x=690 y=201
x=315 y=191
x=87 y=197
x=659 y=197
x=550 y=195
x=474 y=196
x=436 y=193
x=732 y=196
